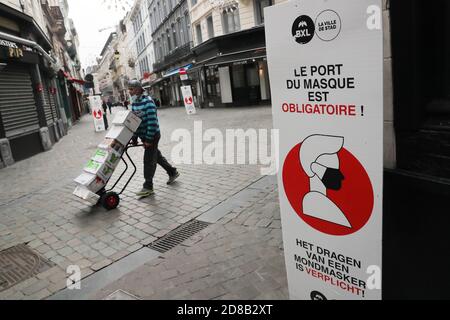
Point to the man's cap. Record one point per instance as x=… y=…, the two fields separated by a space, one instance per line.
x=134 y=84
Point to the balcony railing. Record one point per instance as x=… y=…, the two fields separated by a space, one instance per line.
x=58 y=18
x=174 y=56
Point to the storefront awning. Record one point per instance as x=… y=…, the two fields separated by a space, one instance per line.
x=236 y=57
x=151 y=84
x=79 y=81
x=177 y=71
x=72 y=79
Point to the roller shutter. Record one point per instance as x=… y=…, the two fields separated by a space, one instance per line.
x=46 y=103
x=17 y=103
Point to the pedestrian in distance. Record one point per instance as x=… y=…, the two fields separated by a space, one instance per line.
x=149 y=133
x=105 y=118
x=109 y=104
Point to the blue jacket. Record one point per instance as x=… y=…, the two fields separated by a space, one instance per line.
x=145 y=108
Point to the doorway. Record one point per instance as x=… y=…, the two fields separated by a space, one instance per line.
x=245 y=84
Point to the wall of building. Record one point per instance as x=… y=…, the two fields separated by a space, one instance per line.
x=129 y=42
x=145 y=57
x=32 y=8
x=203 y=9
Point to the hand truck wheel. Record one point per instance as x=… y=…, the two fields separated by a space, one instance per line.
x=110 y=200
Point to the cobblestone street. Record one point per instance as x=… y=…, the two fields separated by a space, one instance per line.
x=239 y=258
x=37 y=208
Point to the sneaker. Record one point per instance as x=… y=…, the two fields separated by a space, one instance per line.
x=145 y=193
x=173 y=177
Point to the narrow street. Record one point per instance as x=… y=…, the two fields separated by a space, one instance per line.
x=37 y=208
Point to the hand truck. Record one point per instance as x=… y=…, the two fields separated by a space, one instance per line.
x=110 y=199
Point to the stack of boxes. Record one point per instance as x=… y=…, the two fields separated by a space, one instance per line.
x=102 y=164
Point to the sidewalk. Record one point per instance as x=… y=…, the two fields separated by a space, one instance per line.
x=239 y=257
x=37 y=207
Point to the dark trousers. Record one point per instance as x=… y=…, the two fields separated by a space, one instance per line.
x=105 y=120
x=153 y=157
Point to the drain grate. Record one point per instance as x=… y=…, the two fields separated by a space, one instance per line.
x=20 y=263
x=177 y=236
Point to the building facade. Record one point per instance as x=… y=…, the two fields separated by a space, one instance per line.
x=31 y=113
x=417 y=149
x=70 y=76
x=105 y=76
x=230 y=51
x=119 y=66
x=142 y=41
x=172 y=41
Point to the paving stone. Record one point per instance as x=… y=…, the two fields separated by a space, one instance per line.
x=131 y=240
x=65 y=252
x=107 y=252
x=44 y=293
x=135 y=247
x=100 y=265
x=35 y=287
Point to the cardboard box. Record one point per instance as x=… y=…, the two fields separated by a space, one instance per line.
x=127 y=119
x=91 y=182
x=112 y=145
x=100 y=169
x=110 y=157
x=121 y=134
x=83 y=193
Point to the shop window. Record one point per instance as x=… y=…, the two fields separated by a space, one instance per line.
x=239 y=76
x=210 y=24
x=213 y=82
x=230 y=20
x=259 y=6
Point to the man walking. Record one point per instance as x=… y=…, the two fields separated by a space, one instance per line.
x=149 y=133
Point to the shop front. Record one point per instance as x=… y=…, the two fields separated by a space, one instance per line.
x=20 y=120
x=237 y=80
x=166 y=89
x=237 y=77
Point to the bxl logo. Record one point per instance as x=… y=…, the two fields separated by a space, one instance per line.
x=303 y=29
x=74 y=280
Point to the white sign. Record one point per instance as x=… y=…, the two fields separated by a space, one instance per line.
x=97 y=113
x=183 y=75
x=326 y=73
x=188 y=100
